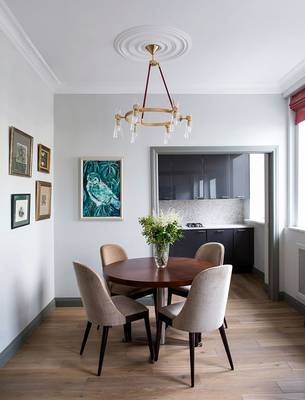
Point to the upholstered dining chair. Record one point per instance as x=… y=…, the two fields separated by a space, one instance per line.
x=203 y=311
x=102 y=309
x=214 y=253
x=111 y=253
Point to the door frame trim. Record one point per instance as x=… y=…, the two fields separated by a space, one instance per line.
x=273 y=211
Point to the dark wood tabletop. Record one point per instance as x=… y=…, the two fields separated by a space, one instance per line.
x=142 y=272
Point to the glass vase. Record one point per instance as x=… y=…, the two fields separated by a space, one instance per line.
x=160 y=253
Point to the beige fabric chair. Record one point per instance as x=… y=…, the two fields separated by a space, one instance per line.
x=203 y=311
x=214 y=253
x=101 y=309
x=111 y=253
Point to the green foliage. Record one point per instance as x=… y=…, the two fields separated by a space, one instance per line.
x=109 y=173
x=161 y=229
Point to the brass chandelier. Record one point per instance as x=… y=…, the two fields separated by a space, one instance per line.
x=135 y=117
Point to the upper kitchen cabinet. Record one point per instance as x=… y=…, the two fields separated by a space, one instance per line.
x=179 y=176
x=217 y=176
x=211 y=176
x=240 y=176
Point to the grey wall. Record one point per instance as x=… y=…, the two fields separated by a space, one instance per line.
x=27 y=265
x=83 y=127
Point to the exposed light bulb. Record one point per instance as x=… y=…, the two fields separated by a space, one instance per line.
x=115 y=131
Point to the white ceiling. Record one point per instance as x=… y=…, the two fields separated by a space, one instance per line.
x=237 y=45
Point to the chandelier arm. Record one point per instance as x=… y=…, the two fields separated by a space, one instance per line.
x=146 y=88
x=166 y=88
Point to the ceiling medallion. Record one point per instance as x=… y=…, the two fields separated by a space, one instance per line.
x=135 y=116
x=172 y=42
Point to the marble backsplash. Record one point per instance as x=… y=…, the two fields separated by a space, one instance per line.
x=208 y=212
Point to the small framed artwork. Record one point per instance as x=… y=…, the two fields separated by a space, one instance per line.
x=20 y=210
x=101 y=194
x=44 y=158
x=21 y=153
x=43 y=200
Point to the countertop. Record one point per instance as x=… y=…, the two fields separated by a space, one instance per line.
x=224 y=226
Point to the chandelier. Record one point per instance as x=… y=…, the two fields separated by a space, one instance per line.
x=135 y=116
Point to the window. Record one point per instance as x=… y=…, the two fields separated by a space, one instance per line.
x=300 y=181
x=257 y=187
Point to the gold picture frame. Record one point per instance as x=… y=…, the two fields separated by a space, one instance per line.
x=20 y=153
x=43 y=200
x=44 y=159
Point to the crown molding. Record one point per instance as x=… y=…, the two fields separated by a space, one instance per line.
x=15 y=33
x=115 y=88
x=293 y=80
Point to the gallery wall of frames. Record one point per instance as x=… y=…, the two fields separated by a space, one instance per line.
x=21 y=164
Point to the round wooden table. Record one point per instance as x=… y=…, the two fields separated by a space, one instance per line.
x=142 y=272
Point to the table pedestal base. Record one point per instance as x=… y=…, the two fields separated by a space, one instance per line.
x=161 y=302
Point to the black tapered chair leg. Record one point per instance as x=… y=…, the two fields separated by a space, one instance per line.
x=127 y=332
x=192 y=338
x=169 y=297
x=88 y=327
x=103 y=348
x=149 y=338
x=225 y=323
x=158 y=338
x=98 y=328
x=226 y=345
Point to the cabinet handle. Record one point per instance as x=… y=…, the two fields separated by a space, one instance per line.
x=224 y=197
x=200 y=231
x=220 y=230
x=241 y=230
x=240 y=197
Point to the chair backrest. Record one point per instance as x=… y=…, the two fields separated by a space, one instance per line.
x=95 y=297
x=205 y=306
x=111 y=253
x=213 y=252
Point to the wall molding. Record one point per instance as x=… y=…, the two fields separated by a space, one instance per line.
x=18 y=37
x=68 y=302
x=15 y=345
x=294 y=303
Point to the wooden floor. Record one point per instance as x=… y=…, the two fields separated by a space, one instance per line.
x=267 y=342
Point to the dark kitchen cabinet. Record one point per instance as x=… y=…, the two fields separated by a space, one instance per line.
x=240 y=176
x=217 y=176
x=195 y=176
x=224 y=236
x=189 y=244
x=238 y=245
x=179 y=176
x=243 y=249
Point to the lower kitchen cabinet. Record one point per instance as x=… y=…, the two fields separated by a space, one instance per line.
x=238 y=243
x=243 y=251
x=225 y=237
x=189 y=244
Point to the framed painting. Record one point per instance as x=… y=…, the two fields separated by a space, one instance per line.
x=43 y=200
x=20 y=210
x=101 y=194
x=44 y=158
x=21 y=153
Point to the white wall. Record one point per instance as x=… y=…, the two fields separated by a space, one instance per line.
x=27 y=262
x=83 y=127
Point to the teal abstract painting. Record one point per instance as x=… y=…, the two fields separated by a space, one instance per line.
x=101 y=188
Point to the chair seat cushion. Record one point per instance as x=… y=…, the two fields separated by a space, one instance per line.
x=118 y=289
x=127 y=306
x=171 y=311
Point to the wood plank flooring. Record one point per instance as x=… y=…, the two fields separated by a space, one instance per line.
x=267 y=342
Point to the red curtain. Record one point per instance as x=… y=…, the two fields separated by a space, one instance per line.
x=297 y=104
